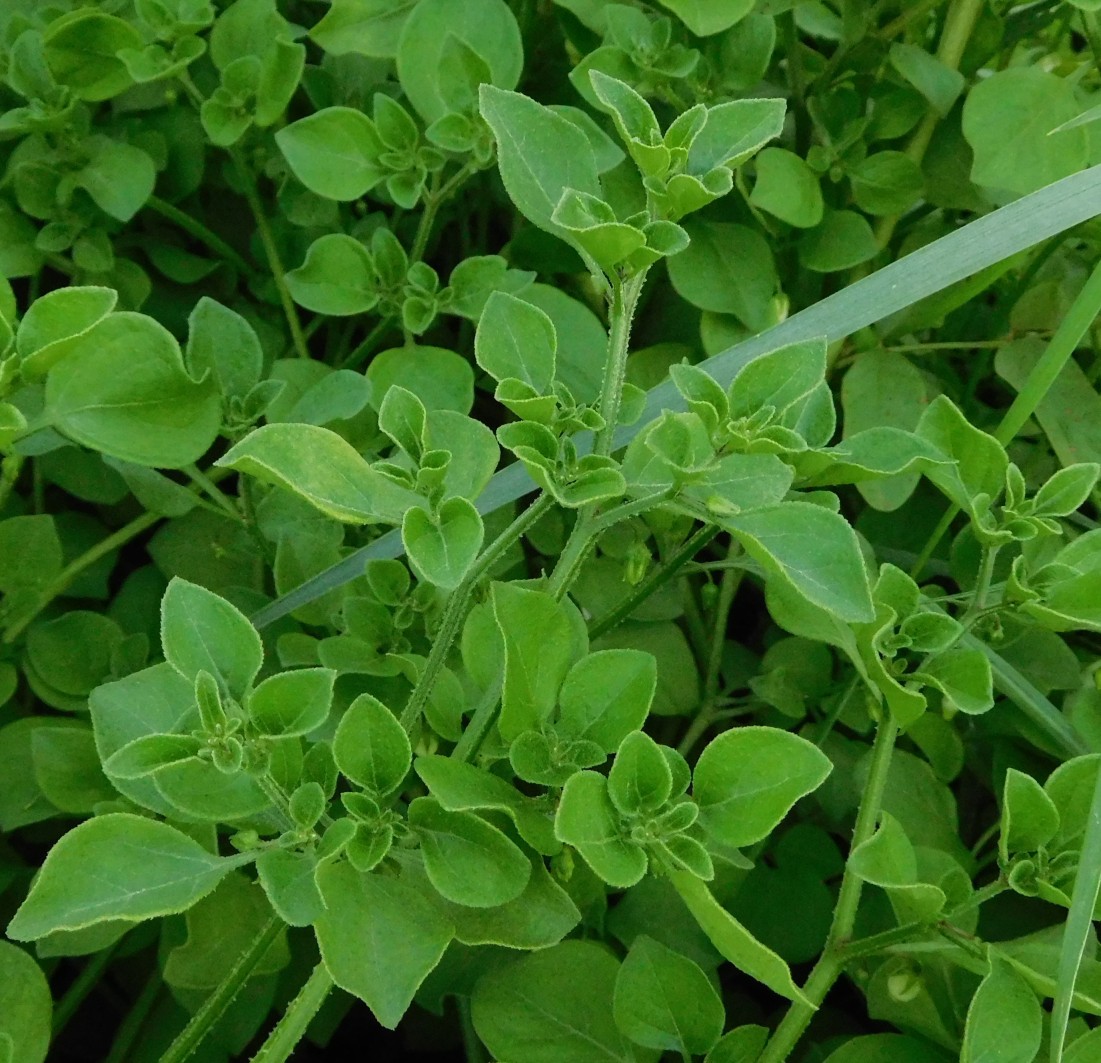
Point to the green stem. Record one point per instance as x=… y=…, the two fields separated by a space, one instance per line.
x=432 y=203
x=366 y=348
x=60 y=583
x=271 y=252
x=472 y=1045
x=959 y=24
x=982 y=584
x=625 y=295
x=654 y=581
x=201 y=233
x=211 y=489
x=457 y=607
x=283 y=1040
x=10 y=469
x=214 y=1007
x=910 y=13
x=135 y=1019
x=82 y=985
x=829 y=966
x=475 y=731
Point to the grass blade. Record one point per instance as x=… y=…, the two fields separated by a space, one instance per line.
x=932 y=268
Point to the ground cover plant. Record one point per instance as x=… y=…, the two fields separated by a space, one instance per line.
x=550 y=531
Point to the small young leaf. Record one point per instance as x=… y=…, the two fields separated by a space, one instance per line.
x=747 y=779
x=735 y=131
x=202 y=632
x=467 y=859
x=371 y=747
x=588 y=821
x=640 y=779
x=664 y=1000
x=290 y=881
x=118 y=866
x=223 y=342
x=338 y=277
x=1029 y=816
x=442 y=547
x=787 y=188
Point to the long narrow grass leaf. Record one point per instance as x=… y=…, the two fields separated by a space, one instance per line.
x=932 y=268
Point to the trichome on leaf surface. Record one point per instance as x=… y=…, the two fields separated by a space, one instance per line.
x=440 y=594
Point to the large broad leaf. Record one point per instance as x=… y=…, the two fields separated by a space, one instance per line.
x=324 y=469
x=540 y=154
x=589 y=822
x=122 y=389
x=118 y=866
x=334 y=152
x=553 y=1006
x=379 y=938
x=811 y=549
x=201 y=632
x=705 y=17
x=1005 y=1020
x=747 y=779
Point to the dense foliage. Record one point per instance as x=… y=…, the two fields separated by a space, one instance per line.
x=564 y=530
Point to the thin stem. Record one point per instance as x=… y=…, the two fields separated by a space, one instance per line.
x=625 y=295
x=135 y=1019
x=201 y=233
x=475 y=731
x=829 y=966
x=435 y=199
x=60 y=583
x=283 y=1040
x=83 y=984
x=271 y=251
x=654 y=581
x=211 y=489
x=472 y=1045
x=909 y=14
x=457 y=607
x=366 y=348
x=213 y=1008
x=982 y=584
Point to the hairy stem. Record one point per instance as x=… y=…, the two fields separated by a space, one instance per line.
x=214 y=1007
x=197 y=229
x=300 y=1012
x=829 y=966
x=457 y=607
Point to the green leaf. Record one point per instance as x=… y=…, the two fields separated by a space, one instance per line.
x=290 y=881
x=486 y=27
x=811 y=549
x=223 y=342
x=149 y=753
x=540 y=154
x=467 y=859
x=787 y=188
x=325 y=470
x=741 y=1045
x=747 y=779
x=664 y=1000
x=606 y=695
x=118 y=866
x=201 y=632
x=119 y=177
x=552 y=1006
x=588 y=821
x=640 y=779
x=887 y=1048
x=728 y=269
x=539 y=651
x=26 y=1006
x=1007 y=119
x=379 y=938
x=441 y=379
x=842 y=240
x=334 y=152
x=122 y=389
x=1029 y=816
x=707 y=17
x=1066 y=490
x=515 y=339
x=442 y=546
x=338 y=277
x=371 y=747
x=1004 y=1020
x=733 y=941
x=888 y=182
x=54 y=319
x=363 y=27
x=292 y=703
x=734 y=132
x=81 y=49
x=938 y=83
x=979 y=461
x=888 y=859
